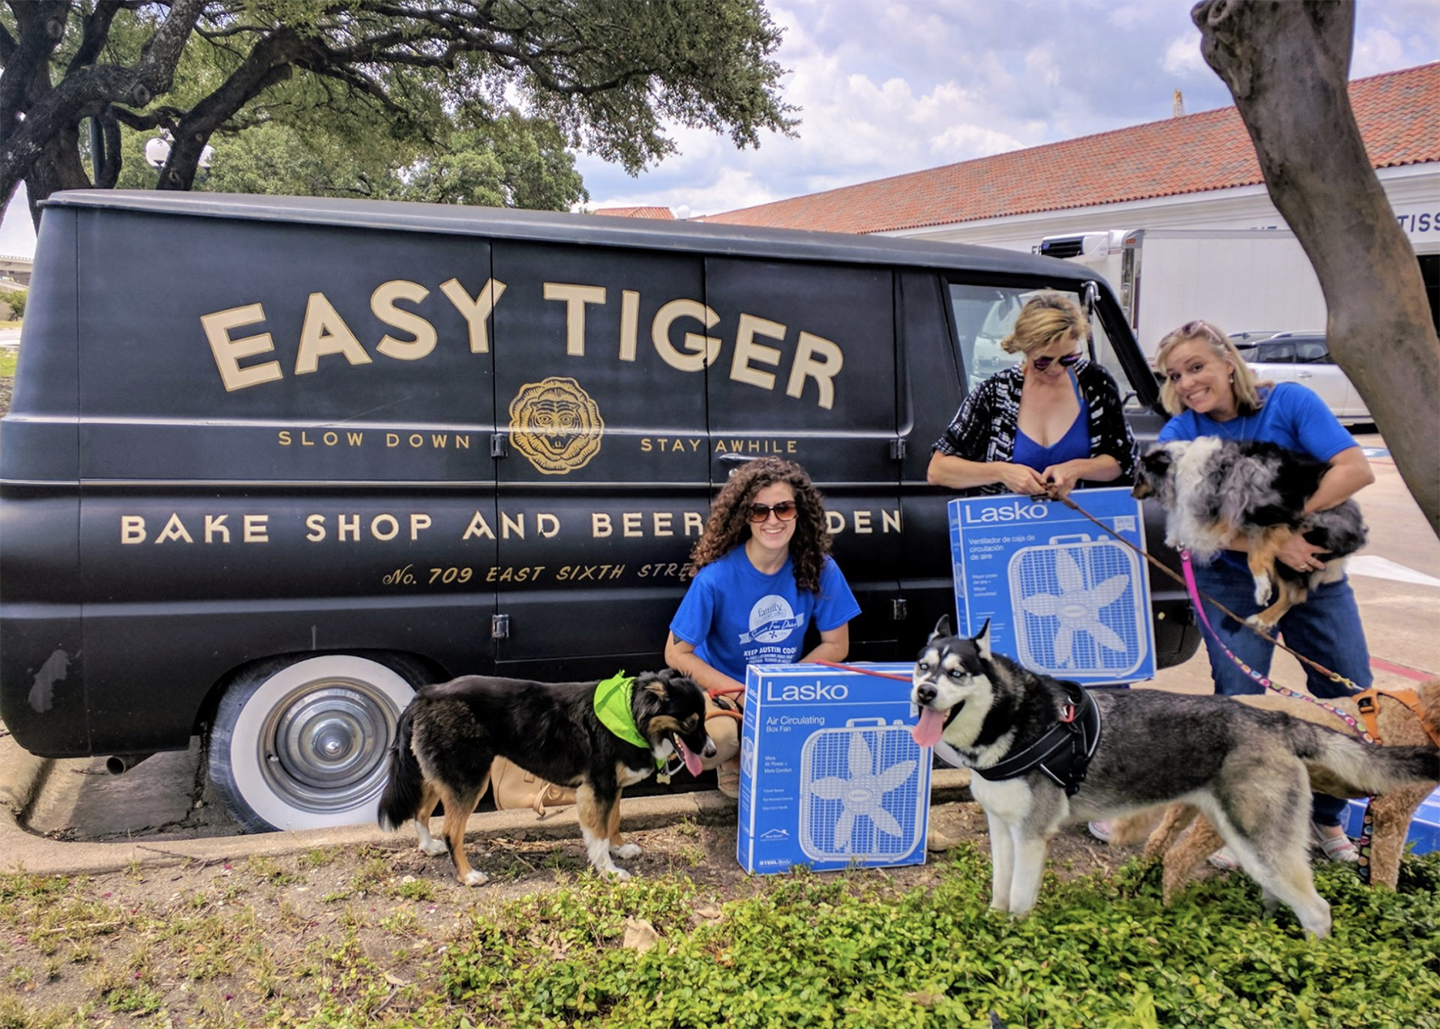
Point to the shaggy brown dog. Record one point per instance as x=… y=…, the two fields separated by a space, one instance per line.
x=1186 y=839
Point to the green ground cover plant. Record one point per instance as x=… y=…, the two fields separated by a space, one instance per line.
x=310 y=942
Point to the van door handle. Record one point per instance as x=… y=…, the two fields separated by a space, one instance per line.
x=738 y=459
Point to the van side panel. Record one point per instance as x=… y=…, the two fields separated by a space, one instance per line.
x=296 y=353
x=41 y=657
x=933 y=390
x=604 y=486
x=806 y=372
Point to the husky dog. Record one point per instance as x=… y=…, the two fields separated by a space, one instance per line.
x=565 y=733
x=1214 y=487
x=1401 y=717
x=1046 y=753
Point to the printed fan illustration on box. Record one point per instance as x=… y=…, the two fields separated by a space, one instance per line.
x=1077 y=607
x=851 y=804
x=1062 y=596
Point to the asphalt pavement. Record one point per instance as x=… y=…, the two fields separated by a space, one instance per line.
x=72 y=817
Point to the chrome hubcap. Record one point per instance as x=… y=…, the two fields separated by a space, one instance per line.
x=324 y=747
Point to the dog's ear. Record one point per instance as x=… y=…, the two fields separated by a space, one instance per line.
x=942 y=628
x=1158 y=459
x=982 y=640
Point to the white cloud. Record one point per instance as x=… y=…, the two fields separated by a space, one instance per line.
x=1183 y=58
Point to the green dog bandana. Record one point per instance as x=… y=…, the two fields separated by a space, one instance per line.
x=612 y=707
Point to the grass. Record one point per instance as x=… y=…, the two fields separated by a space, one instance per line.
x=260 y=944
x=8 y=357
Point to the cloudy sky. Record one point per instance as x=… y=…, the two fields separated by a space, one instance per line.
x=893 y=86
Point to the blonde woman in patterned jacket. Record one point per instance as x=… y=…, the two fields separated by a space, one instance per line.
x=1048 y=425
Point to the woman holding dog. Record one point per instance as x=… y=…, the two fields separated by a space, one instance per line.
x=1211 y=391
x=1050 y=424
x=763 y=573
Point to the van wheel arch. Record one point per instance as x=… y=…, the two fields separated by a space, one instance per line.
x=300 y=741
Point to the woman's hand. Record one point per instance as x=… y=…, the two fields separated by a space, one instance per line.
x=1017 y=478
x=1301 y=555
x=1060 y=479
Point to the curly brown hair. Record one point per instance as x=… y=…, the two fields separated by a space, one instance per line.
x=729 y=524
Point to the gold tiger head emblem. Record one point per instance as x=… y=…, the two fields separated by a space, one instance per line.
x=556 y=425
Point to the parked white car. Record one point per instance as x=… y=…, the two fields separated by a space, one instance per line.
x=1303 y=357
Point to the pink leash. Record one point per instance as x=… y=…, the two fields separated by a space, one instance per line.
x=1363 y=843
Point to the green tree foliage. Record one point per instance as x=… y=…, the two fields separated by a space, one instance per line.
x=455 y=100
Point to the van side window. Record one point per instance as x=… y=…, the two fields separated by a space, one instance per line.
x=985 y=315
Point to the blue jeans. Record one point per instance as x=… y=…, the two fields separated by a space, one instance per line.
x=1326 y=629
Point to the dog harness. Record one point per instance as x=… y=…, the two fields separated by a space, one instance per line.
x=1064 y=752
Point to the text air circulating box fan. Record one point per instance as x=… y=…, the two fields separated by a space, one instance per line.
x=830 y=777
x=1063 y=596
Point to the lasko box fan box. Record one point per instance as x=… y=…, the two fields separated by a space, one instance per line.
x=1063 y=596
x=829 y=776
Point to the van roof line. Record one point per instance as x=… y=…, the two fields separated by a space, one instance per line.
x=558 y=226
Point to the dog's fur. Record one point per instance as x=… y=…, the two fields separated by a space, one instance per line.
x=1186 y=840
x=451 y=732
x=1244 y=768
x=1212 y=488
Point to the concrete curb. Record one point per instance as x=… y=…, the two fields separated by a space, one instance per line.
x=21 y=775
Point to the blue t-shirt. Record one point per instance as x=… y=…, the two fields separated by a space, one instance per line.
x=735 y=615
x=1290 y=416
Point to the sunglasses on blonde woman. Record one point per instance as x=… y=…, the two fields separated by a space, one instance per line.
x=785 y=511
x=1041 y=363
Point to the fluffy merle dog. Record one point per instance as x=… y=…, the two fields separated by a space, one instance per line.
x=1212 y=488
x=451 y=732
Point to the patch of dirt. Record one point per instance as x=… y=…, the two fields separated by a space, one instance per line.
x=228 y=944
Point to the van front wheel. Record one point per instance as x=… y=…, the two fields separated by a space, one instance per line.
x=302 y=745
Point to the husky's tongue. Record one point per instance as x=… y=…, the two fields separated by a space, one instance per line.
x=692 y=762
x=927 y=732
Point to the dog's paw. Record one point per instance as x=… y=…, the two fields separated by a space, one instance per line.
x=433 y=847
x=475 y=877
x=616 y=873
x=627 y=851
x=1256 y=621
x=1263 y=589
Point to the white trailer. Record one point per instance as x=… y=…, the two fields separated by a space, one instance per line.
x=1237 y=279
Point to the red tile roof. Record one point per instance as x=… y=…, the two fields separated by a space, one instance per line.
x=1189 y=154
x=663 y=213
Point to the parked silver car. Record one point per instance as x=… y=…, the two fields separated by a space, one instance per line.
x=1303 y=357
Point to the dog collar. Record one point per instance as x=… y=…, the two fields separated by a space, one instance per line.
x=612 y=707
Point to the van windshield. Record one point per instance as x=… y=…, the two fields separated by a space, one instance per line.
x=985 y=315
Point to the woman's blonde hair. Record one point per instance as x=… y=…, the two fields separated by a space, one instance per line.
x=1046 y=319
x=1242 y=380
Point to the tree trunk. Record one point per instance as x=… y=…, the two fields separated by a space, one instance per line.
x=1287 y=65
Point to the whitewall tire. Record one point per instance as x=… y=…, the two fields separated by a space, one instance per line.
x=303 y=744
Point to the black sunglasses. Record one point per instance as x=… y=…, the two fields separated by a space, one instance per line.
x=1041 y=363
x=785 y=511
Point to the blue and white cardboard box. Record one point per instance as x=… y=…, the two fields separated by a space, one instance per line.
x=1063 y=597
x=830 y=777
x=1424 y=833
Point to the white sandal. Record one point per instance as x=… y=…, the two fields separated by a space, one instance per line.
x=1336 y=848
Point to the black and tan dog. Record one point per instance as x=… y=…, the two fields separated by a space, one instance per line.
x=598 y=737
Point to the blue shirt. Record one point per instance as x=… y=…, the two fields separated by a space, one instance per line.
x=735 y=615
x=1290 y=416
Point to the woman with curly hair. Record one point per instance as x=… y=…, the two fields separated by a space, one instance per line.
x=763 y=573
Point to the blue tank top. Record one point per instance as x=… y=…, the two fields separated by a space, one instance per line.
x=1073 y=445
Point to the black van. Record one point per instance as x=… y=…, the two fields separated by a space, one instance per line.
x=272 y=462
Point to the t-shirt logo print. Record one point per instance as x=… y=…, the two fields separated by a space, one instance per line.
x=772 y=619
